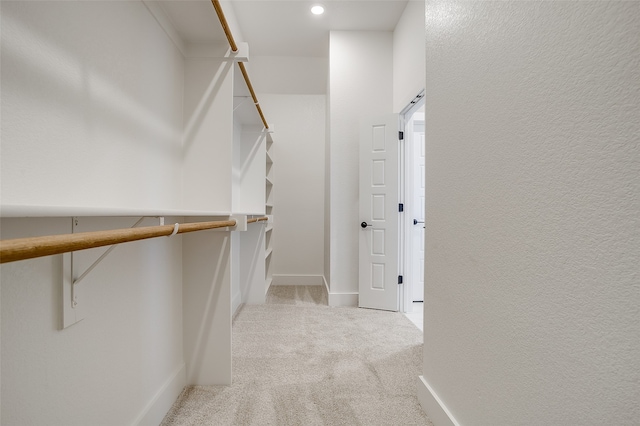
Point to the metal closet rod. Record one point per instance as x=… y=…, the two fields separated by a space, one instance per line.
x=30 y=248
x=234 y=48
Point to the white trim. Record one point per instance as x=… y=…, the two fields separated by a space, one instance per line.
x=163 y=400
x=326 y=289
x=236 y=301
x=403 y=197
x=414 y=103
x=288 y=279
x=343 y=299
x=237 y=312
x=433 y=405
x=340 y=299
x=406 y=222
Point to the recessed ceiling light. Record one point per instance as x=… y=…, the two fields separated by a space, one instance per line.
x=317 y=10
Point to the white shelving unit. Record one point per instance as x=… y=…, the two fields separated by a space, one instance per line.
x=268 y=238
x=249 y=171
x=158 y=127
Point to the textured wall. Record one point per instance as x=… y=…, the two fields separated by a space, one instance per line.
x=408 y=55
x=532 y=288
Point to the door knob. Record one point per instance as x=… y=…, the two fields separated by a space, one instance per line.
x=363 y=225
x=416 y=221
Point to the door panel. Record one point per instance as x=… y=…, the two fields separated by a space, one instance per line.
x=379 y=156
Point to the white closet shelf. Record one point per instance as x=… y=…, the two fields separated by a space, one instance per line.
x=14 y=210
x=251 y=213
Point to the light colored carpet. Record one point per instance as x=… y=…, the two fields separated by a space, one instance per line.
x=297 y=361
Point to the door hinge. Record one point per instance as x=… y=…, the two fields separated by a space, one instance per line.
x=400 y=279
x=401 y=207
x=401 y=135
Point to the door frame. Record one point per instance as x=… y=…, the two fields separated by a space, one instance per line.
x=406 y=221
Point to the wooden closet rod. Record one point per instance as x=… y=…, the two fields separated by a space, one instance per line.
x=257 y=219
x=225 y=25
x=243 y=69
x=234 y=48
x=29 y=248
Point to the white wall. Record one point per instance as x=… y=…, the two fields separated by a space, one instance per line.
x=91 y=117
x=206 y=291
x=128 y=347
x=298 y=183
x=288 y=75
x=208 y=135
x=292 y=94
x=408 y=55
x=361 y=81
x=533 y=199
x=78 y=126
x=327 y=188
x=252 y=257
x=249 y=169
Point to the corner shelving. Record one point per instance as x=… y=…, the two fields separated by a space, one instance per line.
x=268 y=240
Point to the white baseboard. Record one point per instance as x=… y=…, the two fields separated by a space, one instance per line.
x=343 y=299
x=433 y=405
x=161 y=403
x=340 y=299
x=326 y=288
x=236 y=301
x=236 y=312
x=282 y=279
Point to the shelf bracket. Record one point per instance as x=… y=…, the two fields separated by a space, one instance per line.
x=72 y=310
x=243 y=101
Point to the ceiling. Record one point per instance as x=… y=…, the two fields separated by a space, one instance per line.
x=284 y=27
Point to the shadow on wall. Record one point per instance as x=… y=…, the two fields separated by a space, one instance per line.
x=48 y=56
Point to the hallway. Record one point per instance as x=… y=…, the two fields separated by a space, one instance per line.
x=297 y=361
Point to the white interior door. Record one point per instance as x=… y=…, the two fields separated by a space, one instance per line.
x=379 y=161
